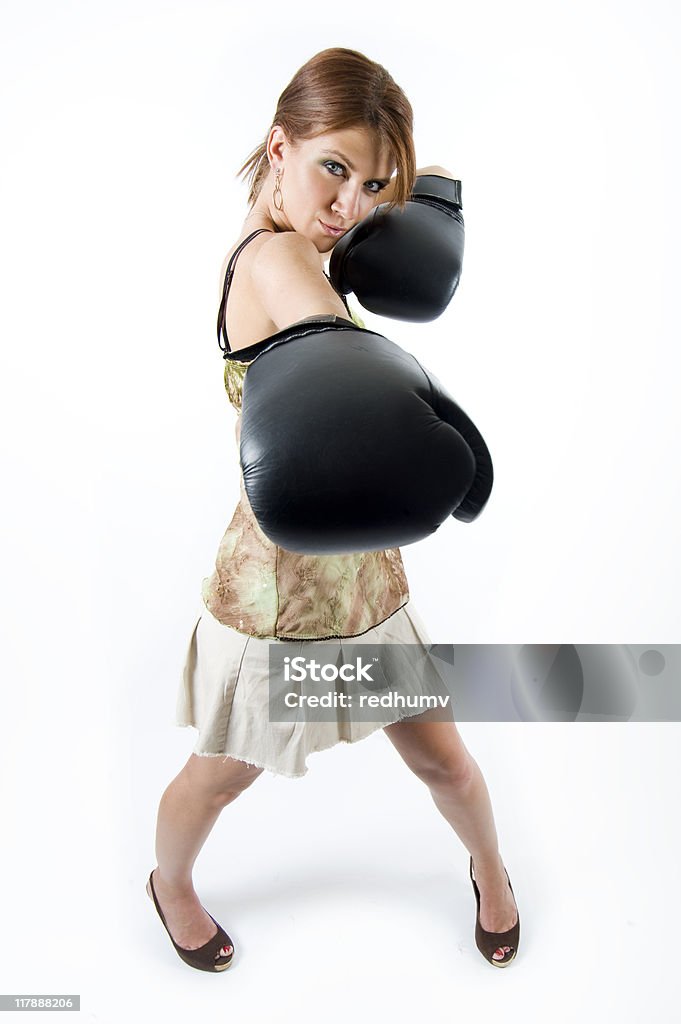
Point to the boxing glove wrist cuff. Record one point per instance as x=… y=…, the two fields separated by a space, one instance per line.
x=437 y=190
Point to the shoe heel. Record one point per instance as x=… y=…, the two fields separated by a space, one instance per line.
x=489 y=942
x=203 y=958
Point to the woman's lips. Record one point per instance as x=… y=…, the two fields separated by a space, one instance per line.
x=334 y=232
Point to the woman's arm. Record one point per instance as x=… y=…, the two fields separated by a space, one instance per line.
x=387 y=193
x=435 y=169
x=289 y=283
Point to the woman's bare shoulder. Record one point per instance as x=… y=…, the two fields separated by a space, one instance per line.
x=245 y=257
x=282 y=253
x=247 y=321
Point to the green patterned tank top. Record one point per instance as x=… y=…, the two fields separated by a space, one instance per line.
x=265 y=591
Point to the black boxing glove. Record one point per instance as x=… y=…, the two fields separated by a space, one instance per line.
x=405 y=264
x=348 y=444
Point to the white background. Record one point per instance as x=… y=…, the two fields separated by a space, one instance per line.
x=123 y=126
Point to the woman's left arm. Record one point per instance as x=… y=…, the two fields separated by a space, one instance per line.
x=386 y=194
x=435 y=169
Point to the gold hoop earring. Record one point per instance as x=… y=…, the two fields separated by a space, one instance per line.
x=277 y=192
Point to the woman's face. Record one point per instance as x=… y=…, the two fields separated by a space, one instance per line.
x=334 y=179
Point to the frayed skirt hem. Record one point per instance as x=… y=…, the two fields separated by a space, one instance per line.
x=277 y=770
x=224 y=688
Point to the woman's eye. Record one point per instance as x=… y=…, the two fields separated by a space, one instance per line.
x=332 y=163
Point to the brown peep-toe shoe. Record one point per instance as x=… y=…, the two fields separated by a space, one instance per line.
x=204 y=958
x=489 y=942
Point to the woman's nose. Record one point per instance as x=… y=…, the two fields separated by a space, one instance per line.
x=347 y=202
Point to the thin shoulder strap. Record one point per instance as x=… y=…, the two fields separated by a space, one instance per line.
x=222 y=321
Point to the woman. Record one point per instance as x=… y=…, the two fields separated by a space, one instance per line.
x=341 y=129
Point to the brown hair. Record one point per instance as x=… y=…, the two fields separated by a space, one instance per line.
x=336 y=89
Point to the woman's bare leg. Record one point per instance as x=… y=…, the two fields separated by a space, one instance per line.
x=189 y=808
x=436 y=753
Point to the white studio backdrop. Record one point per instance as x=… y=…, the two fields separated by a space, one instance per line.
x=123 y=126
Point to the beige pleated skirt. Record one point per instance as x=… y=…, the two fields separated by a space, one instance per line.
x=224 y=694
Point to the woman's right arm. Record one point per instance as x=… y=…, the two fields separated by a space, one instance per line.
x=291 y=285
x=290 y=282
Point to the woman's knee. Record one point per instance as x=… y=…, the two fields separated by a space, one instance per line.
x=437 y=756
x=453 y=771
x=219 y=777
